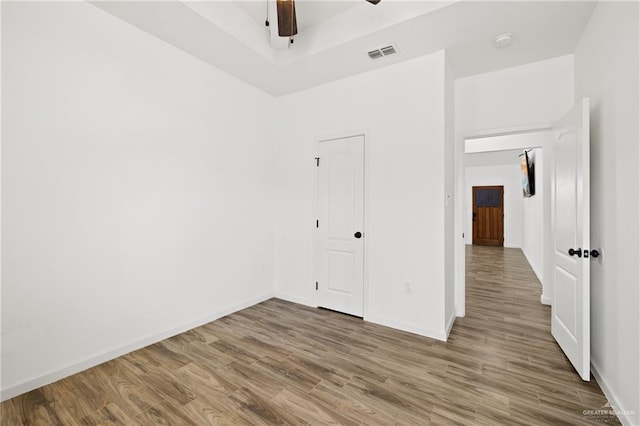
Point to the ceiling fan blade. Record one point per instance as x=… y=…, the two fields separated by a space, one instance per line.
x=287 y=25
x=374 y=1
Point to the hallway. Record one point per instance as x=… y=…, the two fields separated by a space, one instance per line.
x=508 y=332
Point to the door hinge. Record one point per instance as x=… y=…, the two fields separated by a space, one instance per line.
x=316 y=285
x=317 y=161
x=317 y=223
x=463 y=235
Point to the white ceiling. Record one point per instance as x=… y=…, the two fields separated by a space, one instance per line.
x=334 y=36
x=308 y=13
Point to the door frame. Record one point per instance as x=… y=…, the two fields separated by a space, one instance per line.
x=459 y=242
x=473 y=206
x=315 y=249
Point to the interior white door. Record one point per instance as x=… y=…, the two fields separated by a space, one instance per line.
x=340 y=262
x=571 y=302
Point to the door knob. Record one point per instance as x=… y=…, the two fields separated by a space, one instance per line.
x=594 y=253
x=577 y=252
x=358 y=234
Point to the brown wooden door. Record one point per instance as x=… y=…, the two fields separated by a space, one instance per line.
x=488 y=216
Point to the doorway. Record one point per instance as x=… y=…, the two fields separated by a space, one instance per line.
x=492 y=151
x=340 y=225
x=488 y=216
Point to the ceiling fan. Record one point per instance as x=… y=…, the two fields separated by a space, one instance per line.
x=287 y=25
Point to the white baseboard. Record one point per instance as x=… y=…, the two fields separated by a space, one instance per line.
x=544 y=299
x=295 y=299
x=441 y=335
x=53 y=376
x=614 y=401
x=450 y=322
x=533 y=267
x=504 y=245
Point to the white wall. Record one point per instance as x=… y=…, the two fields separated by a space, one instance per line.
x=607 y=71
x=500 y=175
x=533 y=219
x=136 y=191
x=400 y=109
x=450 y=198
x=539 y=92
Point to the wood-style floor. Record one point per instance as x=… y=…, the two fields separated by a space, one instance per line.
x=278 y=362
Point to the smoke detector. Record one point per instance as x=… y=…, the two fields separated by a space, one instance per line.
x=502 y=40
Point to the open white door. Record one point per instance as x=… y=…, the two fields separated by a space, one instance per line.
x=570 y=199
x=340 y=262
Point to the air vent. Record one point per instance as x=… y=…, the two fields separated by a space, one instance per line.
x=388 y=50
x=375 y=54
x=383 y=51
